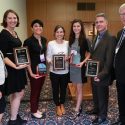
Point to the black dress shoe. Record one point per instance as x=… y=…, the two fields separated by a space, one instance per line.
x=34 y=117
x=118 y=123
x=98 y=121
x=43 y=116
x=91 y=112
x=75 y=115
x=80 y=110
x=20 y=120
x=12 y=122
x=95 y=121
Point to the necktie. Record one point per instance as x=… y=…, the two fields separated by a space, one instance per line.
x=97 y=42
x=119 y=44
x=121 y=39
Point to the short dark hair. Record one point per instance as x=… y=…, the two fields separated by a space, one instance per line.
x=4 y=23
x=37 y=21
x=101 y=15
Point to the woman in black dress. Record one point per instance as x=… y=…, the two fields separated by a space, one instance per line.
x=16 y=80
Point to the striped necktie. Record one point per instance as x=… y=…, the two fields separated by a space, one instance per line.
x=119 y=44
x=97 y=41
x=121 y=39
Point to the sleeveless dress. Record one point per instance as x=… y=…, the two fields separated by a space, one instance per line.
x=16 y=79
x=75 y=72
x=77 y=75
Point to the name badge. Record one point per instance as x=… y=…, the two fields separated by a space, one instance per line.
x=42 y=58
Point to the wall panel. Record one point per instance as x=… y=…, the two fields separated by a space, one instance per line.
x=62 y=12
x=54 y=12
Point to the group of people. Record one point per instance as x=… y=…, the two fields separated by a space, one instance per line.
x=105 y=48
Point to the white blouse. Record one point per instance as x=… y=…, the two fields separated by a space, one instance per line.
x=55 y=48
x=2 y=70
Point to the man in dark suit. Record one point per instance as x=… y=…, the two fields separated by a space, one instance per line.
x=103 y=48
x=119 y=64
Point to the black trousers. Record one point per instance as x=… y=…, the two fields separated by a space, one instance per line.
x=59 y=86
x=100 y=99
x=121 y=100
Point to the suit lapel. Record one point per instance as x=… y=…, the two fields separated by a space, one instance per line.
x=123 y=41
x=102 y=40
x=93 y=44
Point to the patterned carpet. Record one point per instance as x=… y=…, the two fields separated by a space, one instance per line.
x=47 y=106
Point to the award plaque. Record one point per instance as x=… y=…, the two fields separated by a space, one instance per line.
x=21 y=55
x=58 y=62
x=41 y=69
x=92 y=68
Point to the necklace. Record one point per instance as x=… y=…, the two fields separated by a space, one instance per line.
x=12 y=32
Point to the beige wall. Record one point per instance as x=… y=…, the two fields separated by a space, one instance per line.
x=20 y=7
x=54 y=12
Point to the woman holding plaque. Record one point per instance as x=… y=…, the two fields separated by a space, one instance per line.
x=57 y=54
x=16 y=80
x=79 y=54
x=37 y=48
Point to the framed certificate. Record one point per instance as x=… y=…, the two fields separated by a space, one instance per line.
x=58 y=62
x=92 y=68
x=21 y=55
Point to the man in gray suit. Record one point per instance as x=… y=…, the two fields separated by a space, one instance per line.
x=103 y=51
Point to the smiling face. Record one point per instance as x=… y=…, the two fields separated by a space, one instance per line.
x=59 y=34
x=101 y=24
x=11 y=20
x=37 y=29
x=77 y=28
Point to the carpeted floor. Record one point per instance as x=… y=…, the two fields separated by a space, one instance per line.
x=47 y=106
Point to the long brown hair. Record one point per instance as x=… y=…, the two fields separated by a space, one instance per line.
x=82 y=35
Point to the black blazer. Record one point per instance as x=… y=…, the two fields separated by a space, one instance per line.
x=35 y=50
x=104 y=53
x=120 y=61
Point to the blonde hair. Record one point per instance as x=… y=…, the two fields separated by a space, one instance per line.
x=122 y=7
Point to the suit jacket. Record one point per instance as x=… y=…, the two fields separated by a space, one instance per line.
x=120 y=61
x=104 y=53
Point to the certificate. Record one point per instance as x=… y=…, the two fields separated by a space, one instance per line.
x=58 y=62
x=92 y=68
x=21 y=55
